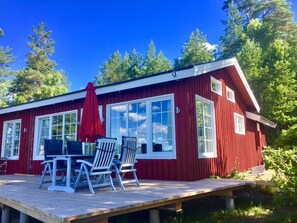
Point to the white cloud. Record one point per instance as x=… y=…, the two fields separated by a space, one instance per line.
x=210 y=46
x=134 y=117
x=121 y=108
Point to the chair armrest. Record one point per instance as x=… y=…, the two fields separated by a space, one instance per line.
x=117 y=162
x=46 y=161
x=116 y=165
x=61 y=158
x=85 y=162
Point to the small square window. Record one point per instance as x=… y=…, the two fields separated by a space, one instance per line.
x=239 y=124
x=216 y=86
x=230 y=94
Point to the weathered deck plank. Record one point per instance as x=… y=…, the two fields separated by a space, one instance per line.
x=22 y=193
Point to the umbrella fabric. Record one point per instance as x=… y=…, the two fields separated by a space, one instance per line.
x=90 y=126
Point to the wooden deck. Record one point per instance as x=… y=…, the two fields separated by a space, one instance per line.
x=21 y=193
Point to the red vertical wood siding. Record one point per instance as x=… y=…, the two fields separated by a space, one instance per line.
x=233 y=150
x=25 y=164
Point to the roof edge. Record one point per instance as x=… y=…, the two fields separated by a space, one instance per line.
x=163 y=77
x=208 y=67
x=261 y=119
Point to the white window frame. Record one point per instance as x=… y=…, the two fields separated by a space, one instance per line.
x=13 y=136
x=218 y=90
x=207 y=154
x=237 y=118
x=36 y=156
x=150 y=154
x=231 y=92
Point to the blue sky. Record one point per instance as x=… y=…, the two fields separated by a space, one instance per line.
x=88 y=32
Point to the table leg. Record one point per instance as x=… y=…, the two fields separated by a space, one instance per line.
x=68 y=176
x=54 y=179
x=67 y=187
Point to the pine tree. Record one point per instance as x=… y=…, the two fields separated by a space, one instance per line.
x=232 y=39
x=6 y=73
x=195 y=51
x=155 y=63
x=135 y=64
x=39 y=79
x=111 y=71
x=132 y=66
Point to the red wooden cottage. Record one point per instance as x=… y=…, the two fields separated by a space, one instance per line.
x=190 y=124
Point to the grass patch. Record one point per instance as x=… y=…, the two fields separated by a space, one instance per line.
x=253 y=205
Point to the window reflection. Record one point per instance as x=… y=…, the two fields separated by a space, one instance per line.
x=131 y=120
x=205 y=127
x=12 y=134
x=58 y=126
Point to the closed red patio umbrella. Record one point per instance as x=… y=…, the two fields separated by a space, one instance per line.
x=90 y=125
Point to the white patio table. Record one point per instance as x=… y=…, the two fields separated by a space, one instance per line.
x=67 y=187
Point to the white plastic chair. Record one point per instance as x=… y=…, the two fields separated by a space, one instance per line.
x=126 y=162
x=98 y=173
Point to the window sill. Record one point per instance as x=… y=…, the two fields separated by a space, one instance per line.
x=10 y=158
x=156 y=156
x=203 y=155
x=38 y=158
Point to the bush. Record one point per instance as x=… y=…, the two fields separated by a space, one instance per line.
x=284 y=164
x=287 y=138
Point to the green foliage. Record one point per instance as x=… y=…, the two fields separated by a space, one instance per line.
x=39 y=79
x=279 y=97
x=132 y=66
x=6 y=74
x=266 y=51
x=287 y=137
x=195 y=51
x=155 y=63
x=284 y=163
x=231 y=40
x=251 y=61
x=111 y=71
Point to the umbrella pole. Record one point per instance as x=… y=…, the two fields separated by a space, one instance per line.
x=89 y=152
x=88 y=145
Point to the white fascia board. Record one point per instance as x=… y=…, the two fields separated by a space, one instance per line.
x=150 y=80
x=45 y=102
x=247 y=86
x=261 y=119
x=208 y=67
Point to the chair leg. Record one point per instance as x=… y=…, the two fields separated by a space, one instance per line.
x=135 y=177
x=111 y=182
x=41 y=180
x=47 y=166
x=90 y=183
x=119 y=177
x=78 y=178
x=89 y=180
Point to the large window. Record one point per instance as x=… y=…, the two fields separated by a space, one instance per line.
x=239 y=124
x=11 y=139
x=205 y=127
x=55 y=126
x=150 y=120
